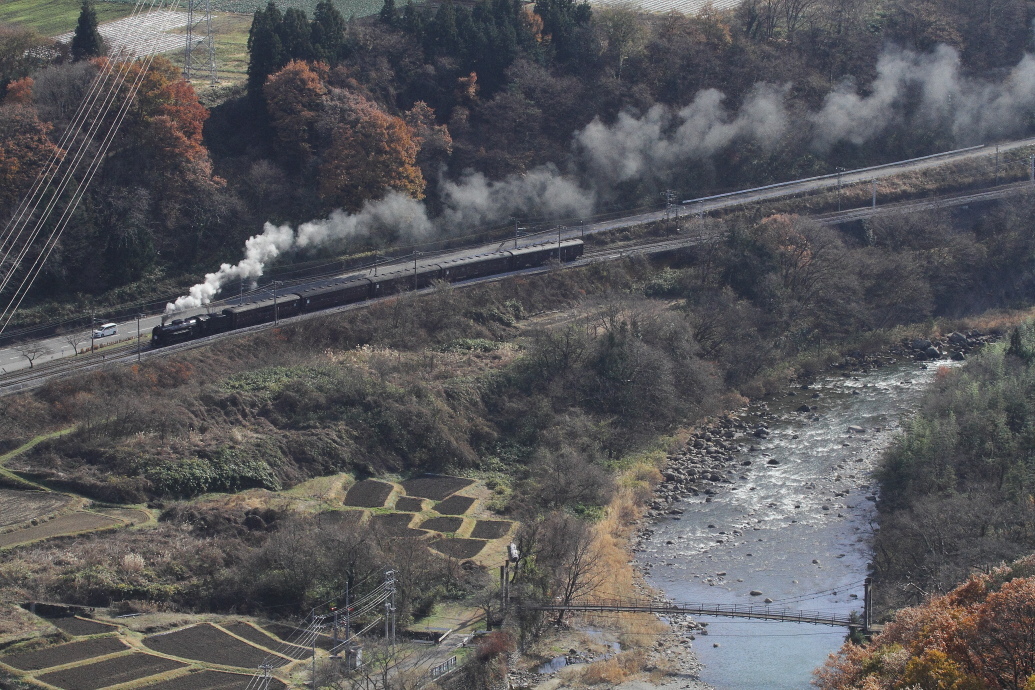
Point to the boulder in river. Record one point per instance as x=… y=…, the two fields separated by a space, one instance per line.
x=856 y=430
x=755 y=593
x=804 y=408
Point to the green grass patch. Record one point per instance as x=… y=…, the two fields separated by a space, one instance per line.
x=54 y=17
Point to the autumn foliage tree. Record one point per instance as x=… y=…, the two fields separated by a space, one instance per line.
x=24 y=151
x=370 y=156
x=981 y=635
x=294 y=100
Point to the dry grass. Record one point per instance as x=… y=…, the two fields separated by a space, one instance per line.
x=616 y=669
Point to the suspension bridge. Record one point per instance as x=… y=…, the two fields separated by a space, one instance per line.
x=755 y=611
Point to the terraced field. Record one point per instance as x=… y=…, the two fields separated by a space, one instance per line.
x=72 y=523
x=17 y=507
x=104 y=674
x=209 y=644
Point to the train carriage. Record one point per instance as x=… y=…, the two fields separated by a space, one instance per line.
x=336 y=295
x=264 y=311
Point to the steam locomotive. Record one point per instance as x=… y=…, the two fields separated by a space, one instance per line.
x=358 y=288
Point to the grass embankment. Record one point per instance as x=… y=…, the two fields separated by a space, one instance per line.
x=54 y=17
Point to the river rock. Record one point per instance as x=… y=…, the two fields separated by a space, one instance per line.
x=804 y=408
x=958 y=339
x=755 y=593
x=958 y=357
x=921 y=344
x=856 y=430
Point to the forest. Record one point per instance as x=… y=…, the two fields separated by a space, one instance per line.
x=499 y=110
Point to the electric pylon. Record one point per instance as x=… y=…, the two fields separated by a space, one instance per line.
x=199 y=15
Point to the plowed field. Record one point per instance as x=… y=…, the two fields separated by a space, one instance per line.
x=72 y=523
x=103 y=674
x=455 y=505
x=459 y=548
x=491 y=529
x=17 y=507
x=368 y=493
x=211 y=680
x=435 y=488
x=80 y=626
x=207 y=643
x=64 y=654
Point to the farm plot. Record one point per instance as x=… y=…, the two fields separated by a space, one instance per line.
x=72 y=523
x=256 y=636
x=212 y=680
x=396 y=525
x=434 y=487
x=455 y=505
x=209 y=644
x=103 y=674
x=81 y=626
x=443 y=524
x=141 y=34
x=368 y=493
x=491 y=529
x=459 y=548
x=64 y=654
x=17 y=506
x=410 y=504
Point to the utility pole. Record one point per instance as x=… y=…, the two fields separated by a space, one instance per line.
x=559 y=228
x=139 y=316
x=276 y=311
x=874 y=185
x=668 y=195
x=839 y=171
x=93 y=322
x=867 y=602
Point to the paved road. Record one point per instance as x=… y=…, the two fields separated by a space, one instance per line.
x=13 y=359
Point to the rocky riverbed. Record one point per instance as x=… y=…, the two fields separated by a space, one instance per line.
x=774 y=503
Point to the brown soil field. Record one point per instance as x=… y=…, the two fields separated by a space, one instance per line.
x=343 y=518
x=17 y=506
x=443 y=524
x=72 y=523
x=410 y=504
x=211 y=680
x=368 y=493
x=64 y=653
x=253 y=635
x=396 y=525
x=81 y=626
x=103 y=674
x=459 y=548
x=435 y=488
x=455 y=505
x=491 y=529
x=207 y=643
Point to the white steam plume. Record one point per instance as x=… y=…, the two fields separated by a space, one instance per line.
x=468 y=204
x=928 y=89
x=973 y=110
x=654 y=144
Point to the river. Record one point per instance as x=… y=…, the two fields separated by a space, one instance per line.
x=798 y=532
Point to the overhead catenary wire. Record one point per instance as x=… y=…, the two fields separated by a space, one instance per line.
x=80 y=189
x=69 y=142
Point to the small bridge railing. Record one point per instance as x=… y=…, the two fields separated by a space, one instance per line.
x=756 y=611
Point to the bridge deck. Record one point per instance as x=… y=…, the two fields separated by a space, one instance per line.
x=760 y=612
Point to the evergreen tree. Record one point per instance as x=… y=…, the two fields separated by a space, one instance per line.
x=295 y=36
x=87 y=41
x=389 y=16
x=265 y=50
x=328 y=33
x=561 y=19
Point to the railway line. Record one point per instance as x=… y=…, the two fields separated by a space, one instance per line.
x=58 y=366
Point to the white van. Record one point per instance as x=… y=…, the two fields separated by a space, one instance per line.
x=105 y=330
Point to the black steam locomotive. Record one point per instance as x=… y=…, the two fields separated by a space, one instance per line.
x=357 y=288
